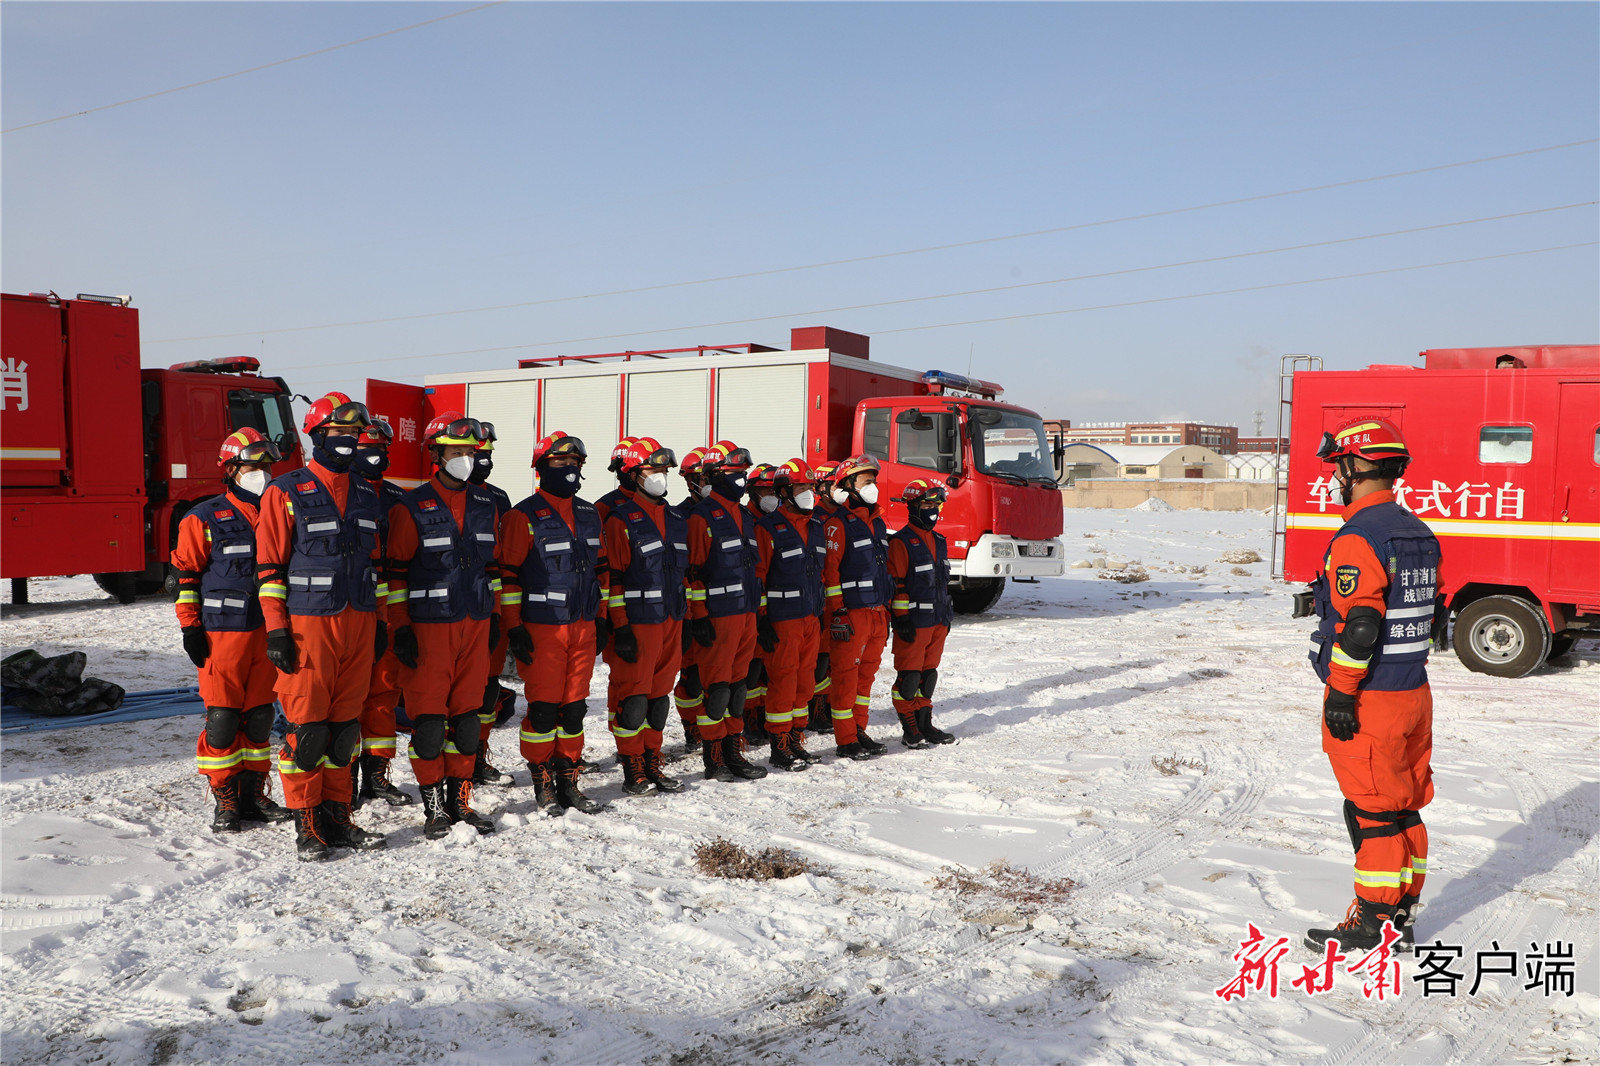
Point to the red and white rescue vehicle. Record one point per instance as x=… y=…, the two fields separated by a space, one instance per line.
x=823 y=399
x=1505 y=470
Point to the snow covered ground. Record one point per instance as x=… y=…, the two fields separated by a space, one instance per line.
x=1155 y=742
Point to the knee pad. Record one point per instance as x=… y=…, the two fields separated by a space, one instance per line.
x=1393 y=823
x=571 y=716
x=344 y=740
x=737 y=694
x=427 y=735
x=907 y=683
x=717 y=697
x=258 y=723
x=542 y=717
x=464 y=733
x=756 y=674
x=690 y=680
x=657 y=713
x=929 y=679
x=632 y=712
x=311 y=744
x=222 y=726
x=824 y=668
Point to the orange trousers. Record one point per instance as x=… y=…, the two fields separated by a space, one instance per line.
x=235 y=675
x=726 y=662
x=1387 y=767
x=558 y=677
x=652 y=676
x=923 y=653
x=377 y=712
x=791 y=673
x=452 y=661
x=852 y=666
x=330 y=685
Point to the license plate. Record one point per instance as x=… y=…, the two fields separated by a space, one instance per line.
x=1036 y=551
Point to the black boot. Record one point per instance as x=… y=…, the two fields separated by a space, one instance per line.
x=436 y=820
x=910 y=735
x=691 y=734
x=226 y=819
x=716 y=768
x=1361 y=930
x=484 y=773
x=458 y=804
x=634 y=780
x=853 y=751
x=733 y=757
x=930 y=731
x=568 y=794
x=755 y=726
x=255 y=798
x=308 y=843
x=340 y=832
x=663 y=781
x=780 y=757
x=375 y=783
x=868 y=745
x=1405 y=916
x=797 y=748
x=544 y=789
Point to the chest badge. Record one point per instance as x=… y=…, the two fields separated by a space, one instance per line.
x=428 y=505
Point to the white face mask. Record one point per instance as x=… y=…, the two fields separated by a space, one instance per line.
x=654 y=484
x=459 y=467
x=838 y=496
x=252 y=481
x=805 y=499
x=868 y=493
x=768 y=504
x=701 y=491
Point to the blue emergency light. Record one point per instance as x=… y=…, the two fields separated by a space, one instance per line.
x=940 y=380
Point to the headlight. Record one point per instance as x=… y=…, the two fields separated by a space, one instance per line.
x=1002 y=549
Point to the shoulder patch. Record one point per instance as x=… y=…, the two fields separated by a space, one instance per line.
x=1345 y=579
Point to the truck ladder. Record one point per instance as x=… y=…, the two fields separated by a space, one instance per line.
x=1288 y=367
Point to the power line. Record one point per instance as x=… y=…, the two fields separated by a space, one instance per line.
x=946 y=325
x=252 y=70
x=883 y=255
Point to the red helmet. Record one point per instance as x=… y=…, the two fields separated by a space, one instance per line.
x=247 y=445
x=856 y=464
x=725 y=453
x=335 y=409
x=693 y=465
x=557 y=443
x=452 y=428
x=825 y=471
x=618 y=452
x=762 y=476
x=646 y=451
x=923 y=491
x=1372 y=439
x=793 y=473
x=378 y=432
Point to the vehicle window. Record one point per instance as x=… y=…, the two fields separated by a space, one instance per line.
x=1597 y=445
x=1014 y=444
x=265 y=411
x=933 y=448
x=875 y=436
x=1505 y=444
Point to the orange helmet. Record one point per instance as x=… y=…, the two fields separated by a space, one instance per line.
x=557 y=443
x=335 y=409
x=247 y=445
x=378 y=432
x=1372 y=439
x=451 y=427
x=856 y=464
x=923 y=491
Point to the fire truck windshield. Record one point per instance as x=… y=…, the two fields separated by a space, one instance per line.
x=269 y=412
x=1010 y=444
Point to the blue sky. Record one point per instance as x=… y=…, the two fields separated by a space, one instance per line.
x=540 y=152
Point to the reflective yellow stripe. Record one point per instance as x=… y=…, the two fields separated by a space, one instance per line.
x=1419 y=865
x=275 y=590
x=901 y=605
x=617 y=731
x=562 y=734
x=684 y=704
x=862 y=701
x=1379 y=878
x=615 y=600
x=383 y=591
x=255 y=754
x=774 y=717
x=494 y=583
x=697 y=594
x=378 y=745
x=843 y=715
x=218 y=762
x=1344 y=660
x=751 y=694
x=534 y=738
x=510 y=599
x=822 y=686
x=833 y=590
x=287 y=765
x=397 y=597
x=188 y=597
x=763 y=599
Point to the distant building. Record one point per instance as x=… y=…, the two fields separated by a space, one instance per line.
x=1152 y=461
x=1223 y=440
x=1264 y=444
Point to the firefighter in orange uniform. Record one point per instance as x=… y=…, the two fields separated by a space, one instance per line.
x=760 y=500
x=554 y=586
x=495 y=694
x=791 y=549
x=317 y=569
x=1376 y=602
x=646 y=543
x=819 y=718
x=723 y=598
x=225 y=635
x=919 y=563
x=857 y=590
x=690 y=693
x=444 y=613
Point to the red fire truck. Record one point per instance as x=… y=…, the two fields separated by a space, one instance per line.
x=99 y=459
x=1505 y=470
x=822 y=399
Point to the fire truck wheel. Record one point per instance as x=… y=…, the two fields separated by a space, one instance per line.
x=977 y=595
x=119 y=586
x=1501 y=635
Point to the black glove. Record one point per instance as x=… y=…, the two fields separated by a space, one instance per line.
x=405 y=647
x=1339 y=712
x=281 y=651
x=494 y=631
x=380 y=640
x=704 y=632
x=196 y=644
x=766 y=634
x=841 y=630
x=520 y=641
x=602 y=633
x=684 y=639
x=625 y=644
x=905 y=630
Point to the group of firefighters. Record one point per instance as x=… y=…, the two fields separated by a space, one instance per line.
x=769 y=593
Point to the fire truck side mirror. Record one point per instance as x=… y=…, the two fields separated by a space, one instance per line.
x=954 y=481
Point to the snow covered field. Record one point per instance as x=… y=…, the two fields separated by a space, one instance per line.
x=1155 y=742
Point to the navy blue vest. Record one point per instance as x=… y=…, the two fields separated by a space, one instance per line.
x=652 y=585
x=794 y=576
x=559 y=582
x=927 y=579
x=864 y=568
x=1409 y=553
x=448 y=579
x=331 y=566
x=389 y=494
x=730 y=568
x=228 y=601
x=502 y=499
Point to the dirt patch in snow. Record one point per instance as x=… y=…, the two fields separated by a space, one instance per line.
x=724 y=858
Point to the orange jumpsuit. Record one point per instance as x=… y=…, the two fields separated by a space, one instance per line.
x=334 y=651
x=452 y=657
x=727 y=661
x=791 y=666
x=656 y=667
x=237 y=673
x=1386 y=766
x=689 y=695
x=927 y=649
x=854 y=662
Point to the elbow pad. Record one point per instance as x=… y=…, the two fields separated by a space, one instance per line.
x=1363 y=627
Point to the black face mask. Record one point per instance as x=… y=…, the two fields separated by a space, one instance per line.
x=730 y=486
x=562 y=481
x=923 y=517
x=372 y=461
x=337 y=453
x=482 y=467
